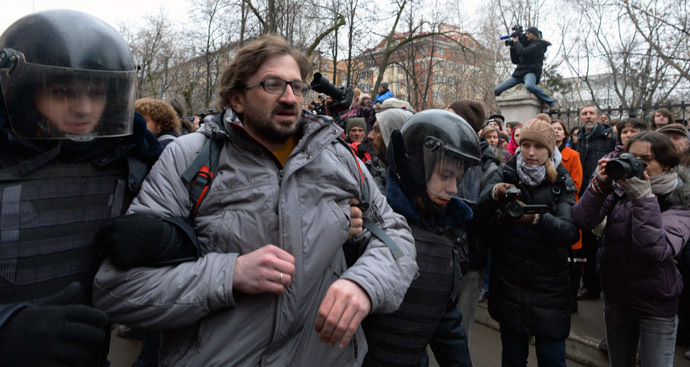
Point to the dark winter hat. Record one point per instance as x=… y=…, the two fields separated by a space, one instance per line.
x=534 y=31
x=678 y=129
x=497 y=115
x=384 y=85
x=500 y=125
x=355 y=122
x=540 y=131
x=471 y=110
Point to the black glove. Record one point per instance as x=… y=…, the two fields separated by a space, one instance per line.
x=55 y=333
x=138 y=240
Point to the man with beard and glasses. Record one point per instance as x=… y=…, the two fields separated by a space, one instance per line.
x=269 y=285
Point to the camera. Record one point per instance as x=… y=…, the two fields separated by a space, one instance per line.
x=342 y=96
x=517 y=32
x=515 y=210
x=627 y=165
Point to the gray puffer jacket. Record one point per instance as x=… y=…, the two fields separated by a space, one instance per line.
x=302 y=208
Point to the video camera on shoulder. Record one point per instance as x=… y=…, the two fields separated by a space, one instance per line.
x=627 y=165
x=342 y=96
x=517 y=32
x=515 y=210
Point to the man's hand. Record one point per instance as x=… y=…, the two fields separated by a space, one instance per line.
x=266 y=270
x=356 y=221
x=345 y=306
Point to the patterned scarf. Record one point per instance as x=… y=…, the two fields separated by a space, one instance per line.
x=532 y=176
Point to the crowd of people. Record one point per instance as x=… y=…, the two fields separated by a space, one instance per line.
x=270 y=235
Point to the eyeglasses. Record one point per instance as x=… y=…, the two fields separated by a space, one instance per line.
x=277 y=86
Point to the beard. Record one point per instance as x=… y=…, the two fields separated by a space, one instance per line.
x=259 y=123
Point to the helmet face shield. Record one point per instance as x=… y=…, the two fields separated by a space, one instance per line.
x=445 y=171
x=50 y=102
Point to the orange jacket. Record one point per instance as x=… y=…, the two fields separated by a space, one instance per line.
x=571 y=161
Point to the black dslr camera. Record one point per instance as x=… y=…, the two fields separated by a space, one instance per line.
x=627 y=165
x=515 y=210
x=342 y=96
x=517 y=32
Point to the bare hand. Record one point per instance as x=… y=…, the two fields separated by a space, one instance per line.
x=499 y=192
x=345 y=306
x=356 y=221
x=266 y=270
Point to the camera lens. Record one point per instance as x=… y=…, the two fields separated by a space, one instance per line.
x=617 y=169
x=514 y=209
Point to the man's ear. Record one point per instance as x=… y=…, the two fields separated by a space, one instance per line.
x=236 y=100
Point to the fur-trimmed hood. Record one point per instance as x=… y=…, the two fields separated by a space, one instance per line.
x=681 y=195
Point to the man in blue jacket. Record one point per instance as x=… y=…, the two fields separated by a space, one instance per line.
x=384 y=94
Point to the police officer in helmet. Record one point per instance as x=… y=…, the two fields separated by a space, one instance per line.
x=72 y=156
x=431 y=162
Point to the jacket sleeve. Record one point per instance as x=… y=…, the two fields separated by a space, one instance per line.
x=558 y=228
x=384 y=278
x=591 y=209
x=533 y=49
x=658 y=236
x=172 y=296
x=485 y=217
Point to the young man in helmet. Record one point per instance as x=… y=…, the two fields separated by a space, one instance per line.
x=271 y=286
x=71 y=158
x=428 y=163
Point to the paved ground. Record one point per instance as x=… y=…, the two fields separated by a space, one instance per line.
x=587 y=330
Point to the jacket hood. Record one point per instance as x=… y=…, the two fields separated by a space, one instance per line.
x=487 y=153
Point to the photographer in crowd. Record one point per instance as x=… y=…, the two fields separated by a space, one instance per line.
x=648 y=207
x=527 y=52
x=530 y=283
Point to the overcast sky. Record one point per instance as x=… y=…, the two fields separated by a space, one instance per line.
x=114 y=12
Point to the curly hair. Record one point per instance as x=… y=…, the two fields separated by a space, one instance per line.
x=162 y=113
x=250 y=57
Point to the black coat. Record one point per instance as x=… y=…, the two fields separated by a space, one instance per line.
x=478 y=242
x=528 y=57
x=530 y=283
x=592 y=147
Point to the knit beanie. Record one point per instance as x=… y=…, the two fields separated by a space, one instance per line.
x=355 y=122
x=539 y=130
x=471 y=110
x=678 y=129
x=534 y=31
x=384 y=85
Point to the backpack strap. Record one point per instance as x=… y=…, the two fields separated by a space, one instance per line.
x=200 y=174
x=365 y=205
x=166 y=137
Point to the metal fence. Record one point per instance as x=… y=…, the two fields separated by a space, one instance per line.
x=680 y=111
